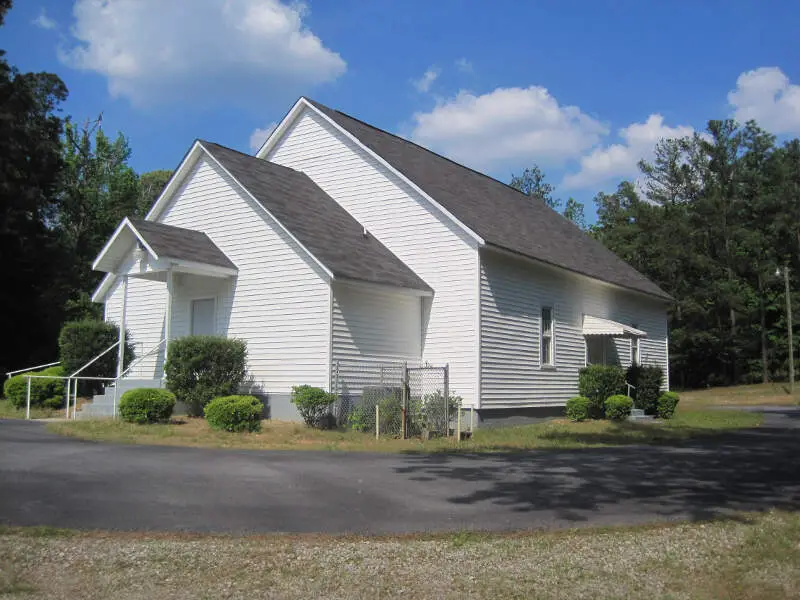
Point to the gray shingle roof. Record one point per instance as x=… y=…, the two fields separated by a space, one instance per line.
x=183 y=244
x=318 y=222
x=502 y=216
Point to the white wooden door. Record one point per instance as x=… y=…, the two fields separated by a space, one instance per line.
x=203 y=316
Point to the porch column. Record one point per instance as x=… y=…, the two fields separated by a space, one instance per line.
x=122 y=325
x=168 y=313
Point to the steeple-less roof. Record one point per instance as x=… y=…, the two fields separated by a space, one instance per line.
x=504 y=217
x=317 y=221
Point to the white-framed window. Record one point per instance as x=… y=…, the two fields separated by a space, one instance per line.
x=547 y=345
x=636 y=358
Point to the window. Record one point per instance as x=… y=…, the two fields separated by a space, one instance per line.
x=547 y=337
x=635 y=357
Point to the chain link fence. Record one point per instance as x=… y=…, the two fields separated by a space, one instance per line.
x=394 y=399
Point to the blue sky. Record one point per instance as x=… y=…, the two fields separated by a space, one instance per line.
x=584 y=89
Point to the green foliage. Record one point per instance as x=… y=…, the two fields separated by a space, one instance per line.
x=574 y=211
x=532 y=183
x=667 y=403
x=44 y=392
x=151 y=184
x=313 y=404
x=235 y=413
x=578 y=408
x=647 y=382
x=598 y=382
x=146 y=405
x=618 y=407
x=80 y=341
x=361 y=418
x=200 y=368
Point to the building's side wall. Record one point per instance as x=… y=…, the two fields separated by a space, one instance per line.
x=279 y=303
x=422 y=237
x=513 y=292
x=372 y=327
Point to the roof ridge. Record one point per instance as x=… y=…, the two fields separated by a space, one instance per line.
x=421 y=147
x=251 y=156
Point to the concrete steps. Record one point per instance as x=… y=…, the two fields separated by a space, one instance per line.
x=102 y=405
x=637 y=414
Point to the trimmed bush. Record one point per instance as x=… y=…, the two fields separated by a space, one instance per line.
x=667 y=403
x=234 y=413
x=44 y=392
x=313 y=404
x=647 y=382
x=578 y=408
x=598 y=382
x=202 y=367
x=80 y=341
x=618 y=408
x=146 y=405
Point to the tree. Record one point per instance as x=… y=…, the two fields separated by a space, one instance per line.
x=532 y=183
x=98 y=190
x=574 y=211
x=30 y=168
x=151 y=184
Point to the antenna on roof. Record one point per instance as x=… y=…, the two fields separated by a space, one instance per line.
x=365 y=232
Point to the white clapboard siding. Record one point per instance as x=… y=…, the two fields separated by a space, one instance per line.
x=279 y=303
x=144 y=320
x=436 y=249
x=513 y=292
x=372 y=328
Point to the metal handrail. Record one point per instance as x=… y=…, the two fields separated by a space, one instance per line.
x=130 y=366
x=52 y=364
x=103 y=353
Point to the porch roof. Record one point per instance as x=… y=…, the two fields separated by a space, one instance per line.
x=599 y=326
x=164 y=244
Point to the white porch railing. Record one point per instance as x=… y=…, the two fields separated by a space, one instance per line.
x=51 y=364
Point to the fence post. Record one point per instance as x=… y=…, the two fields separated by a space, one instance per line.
x=458 y=425
x=75 y=403
x=28 y=400
x=404 y=403
x=69 y=387
x=447 y=400
x=377 y=422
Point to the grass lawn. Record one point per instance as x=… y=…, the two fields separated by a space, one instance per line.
x=9 y=411
x=749 y=557
x=278 y=435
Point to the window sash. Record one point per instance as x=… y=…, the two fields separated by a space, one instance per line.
x=547 y=345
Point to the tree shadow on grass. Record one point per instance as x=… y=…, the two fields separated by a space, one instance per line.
x=697 y=479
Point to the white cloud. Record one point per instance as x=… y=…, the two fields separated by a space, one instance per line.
x=619 y=161
x=463 y=65
x=43 y=21
x=510 y=126
x=259 y=136
x=153 y=51
x=767 y=96
x=424 y=83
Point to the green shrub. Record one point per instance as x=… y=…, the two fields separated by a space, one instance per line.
x=44 y=392
x=80 y=341
x=578 y=408
x=361 y=418
x=202 y=367
x=647 y=386
x=146 y=405
x=667 y=403
x=618 y=408
x=234 y=413
x=598 y=382
x=313 y=404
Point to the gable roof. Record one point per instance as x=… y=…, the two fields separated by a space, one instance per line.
x=504 y=217
x=168 y=241
x=317 y=221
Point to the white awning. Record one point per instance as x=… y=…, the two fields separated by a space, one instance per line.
x=597 y=326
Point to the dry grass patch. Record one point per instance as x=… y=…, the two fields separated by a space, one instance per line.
x=281 y=435
x=756 y=557
x=762 y=394
x=9 y=411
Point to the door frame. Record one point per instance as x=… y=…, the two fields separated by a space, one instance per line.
x=192 y=300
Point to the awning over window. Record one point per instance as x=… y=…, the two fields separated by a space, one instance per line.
x=597 y=326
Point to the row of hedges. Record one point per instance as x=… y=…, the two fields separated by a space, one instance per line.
x=600 y=382
x=618 y=407
x=47 y=393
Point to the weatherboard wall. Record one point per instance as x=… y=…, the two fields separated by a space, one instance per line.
x=408 y=225
x=513 y=292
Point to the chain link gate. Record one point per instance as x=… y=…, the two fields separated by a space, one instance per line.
x=393 y=399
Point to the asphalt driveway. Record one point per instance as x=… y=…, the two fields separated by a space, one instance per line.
x=50 y=480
